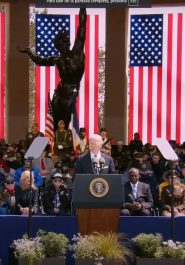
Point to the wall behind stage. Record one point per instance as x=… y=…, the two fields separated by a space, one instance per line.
x=115 y=74
x=17 y=71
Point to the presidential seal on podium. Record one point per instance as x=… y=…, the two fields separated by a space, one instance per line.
x=99 y=187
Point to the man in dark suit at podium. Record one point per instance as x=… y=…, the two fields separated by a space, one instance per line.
x=95 y=162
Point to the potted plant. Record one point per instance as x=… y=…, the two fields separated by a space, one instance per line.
x=47 y=248
x=28 y=250
x=55 y=246
x=171 y=250
x=147 y=244
x=152 y=250
x=99 y=249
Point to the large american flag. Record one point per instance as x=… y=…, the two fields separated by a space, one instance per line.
x=47 y=78
x=156 y=98
x=2 y=74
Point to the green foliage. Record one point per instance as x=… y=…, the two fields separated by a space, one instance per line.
x=45 y=244
x=109 y=246
x=171 y=249
x=54 y=244
x=151 y=245
x=148 y=244
x=169 y=252
x=99 y=246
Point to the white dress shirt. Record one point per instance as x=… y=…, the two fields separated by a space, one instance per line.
x=98 y=155
x=134 y=189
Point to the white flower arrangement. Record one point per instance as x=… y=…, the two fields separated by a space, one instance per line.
x=29 y=248
x=171 y=249
x=148 y=244
x=45 y=244
x=83 y=246
x=100 y=247
x=151 y=245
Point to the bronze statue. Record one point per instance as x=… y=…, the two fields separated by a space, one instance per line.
x=70 y=64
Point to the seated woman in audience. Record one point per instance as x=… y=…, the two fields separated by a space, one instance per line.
x=178 y=193
x=26 y=194
x=55 y=198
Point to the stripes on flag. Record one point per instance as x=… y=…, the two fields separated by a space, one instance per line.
x=49 y=126
x=2 y=74
x=47 y=78
x=157 y=92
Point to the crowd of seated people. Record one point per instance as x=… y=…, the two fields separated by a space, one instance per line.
x=46 y=183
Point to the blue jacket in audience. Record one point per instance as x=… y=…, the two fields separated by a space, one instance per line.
x=38 y=181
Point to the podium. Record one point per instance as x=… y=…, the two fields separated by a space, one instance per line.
x=97 y=200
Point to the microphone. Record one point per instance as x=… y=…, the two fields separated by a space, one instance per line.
x=102 y=162
x=95 y=163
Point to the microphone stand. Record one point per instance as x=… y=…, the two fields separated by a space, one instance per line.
x=101 y=168
x=169 y=154
x=172 y=223
x=30 y=200
x=34 y=151
x=96 y=169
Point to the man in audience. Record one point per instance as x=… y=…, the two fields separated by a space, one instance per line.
x=31 y=135
x=106 y=146
x=12 y=161
x=136 y=144
x=138 y=197
x=159 y=166
x=63 y=141
x=121 y=157
x=83 y=147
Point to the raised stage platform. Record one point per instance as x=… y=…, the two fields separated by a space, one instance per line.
x=13 y=227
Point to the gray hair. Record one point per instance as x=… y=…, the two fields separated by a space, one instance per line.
x=23 y=176
x=96 y=137
x=133 y=169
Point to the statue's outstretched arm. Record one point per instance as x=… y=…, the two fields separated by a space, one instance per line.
x=36 y=59
x=80 y=38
